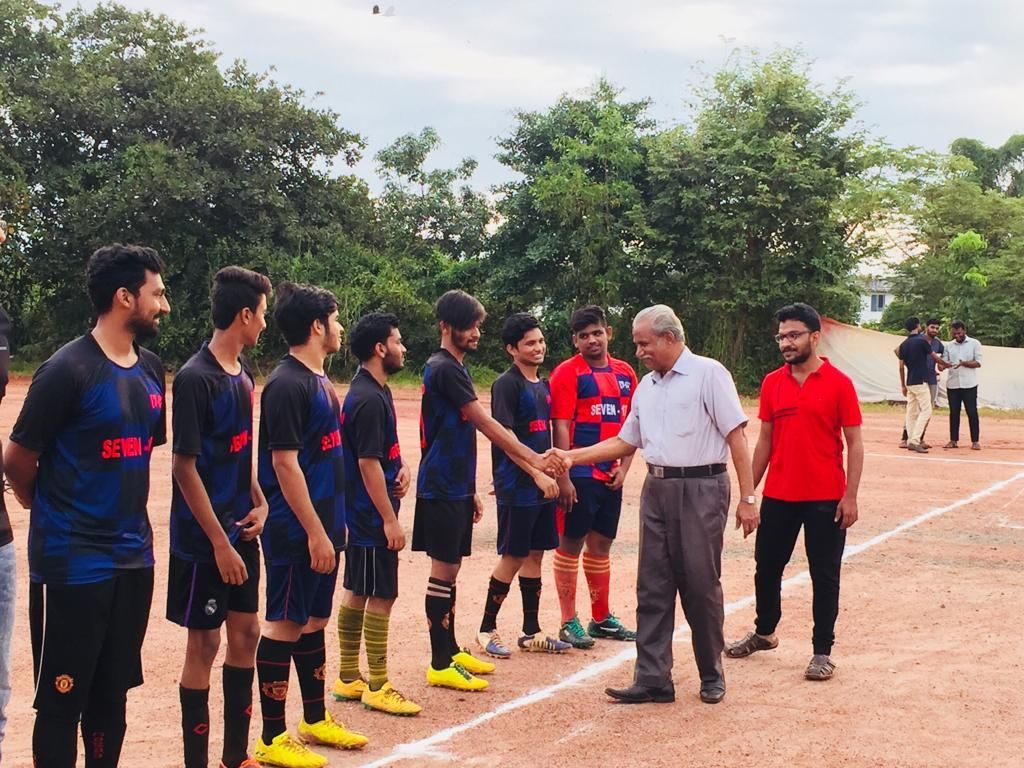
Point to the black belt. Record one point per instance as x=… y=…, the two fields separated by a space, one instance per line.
x=704 y=470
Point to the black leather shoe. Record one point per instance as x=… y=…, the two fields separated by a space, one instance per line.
x=641 y=694
x=712 y=693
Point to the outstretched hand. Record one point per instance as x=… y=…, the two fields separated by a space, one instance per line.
x=556 y=462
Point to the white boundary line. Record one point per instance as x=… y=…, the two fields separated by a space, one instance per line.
x=936 y=457
x=423 y=748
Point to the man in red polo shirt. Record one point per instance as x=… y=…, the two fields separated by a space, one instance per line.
x=807 y=408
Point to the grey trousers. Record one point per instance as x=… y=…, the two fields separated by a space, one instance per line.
x=682 y=524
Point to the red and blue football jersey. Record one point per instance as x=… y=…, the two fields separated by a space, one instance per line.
x=596 y=402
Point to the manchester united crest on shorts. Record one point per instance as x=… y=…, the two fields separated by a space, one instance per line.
x=63 y=683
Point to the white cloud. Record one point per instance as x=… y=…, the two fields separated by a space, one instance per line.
x=909 y=75
x=407 y=48
x=687 y=29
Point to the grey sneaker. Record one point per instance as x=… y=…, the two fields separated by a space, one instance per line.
x=572 y=632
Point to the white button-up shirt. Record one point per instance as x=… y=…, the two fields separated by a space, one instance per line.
x=681 y=418
x=957 y=352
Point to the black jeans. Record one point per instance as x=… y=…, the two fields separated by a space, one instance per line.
x=824 y=542
x=969 y=398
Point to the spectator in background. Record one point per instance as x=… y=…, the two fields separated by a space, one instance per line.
x=963 y=358
x=7 y=566
x=915 y=353
x=931 y=335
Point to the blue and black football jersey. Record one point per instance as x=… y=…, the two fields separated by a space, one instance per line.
x=448 y=440
x=369 y=431
x=94 y=424
x=212 y=420
x=299 y=411
x=524 y=407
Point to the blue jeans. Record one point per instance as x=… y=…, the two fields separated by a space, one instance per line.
x=7 y=592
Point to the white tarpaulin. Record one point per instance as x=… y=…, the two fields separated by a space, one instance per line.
x=867 y=358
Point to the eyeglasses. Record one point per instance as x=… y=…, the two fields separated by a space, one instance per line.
x=791 y=336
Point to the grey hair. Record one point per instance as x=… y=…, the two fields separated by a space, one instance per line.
x=663 y=321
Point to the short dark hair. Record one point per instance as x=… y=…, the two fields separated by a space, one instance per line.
x=297 y=306
x=235 y=289
x=118 y=266
x=933 y=321
x=586 y=316
x=802 y=313
x=371 y=330
x=516 y=326
x=460 y=310
x=958 y=325
x=911 y=323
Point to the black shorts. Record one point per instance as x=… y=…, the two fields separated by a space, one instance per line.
x=297 y=593
x=371 y=571
x=87 y=637
x=597 y=508
x=443 y=529
x=522 y=529
x=197 y=596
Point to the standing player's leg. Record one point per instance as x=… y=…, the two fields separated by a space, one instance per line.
x=540 y=534
x=194 y=692
x=824 y=542
x=309 y=654
x=243 y=634
x=511 y=560
x=597 y=564
x=351 y=618
x=444 y=530
x=574 y=526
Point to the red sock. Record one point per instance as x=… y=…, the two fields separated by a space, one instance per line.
x=598 y=571
x=567 y=568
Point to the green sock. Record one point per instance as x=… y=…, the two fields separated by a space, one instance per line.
x=350 y=630
x=375 y=630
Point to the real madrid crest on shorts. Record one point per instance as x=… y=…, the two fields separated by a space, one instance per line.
x=63 y=683
x=211 y=607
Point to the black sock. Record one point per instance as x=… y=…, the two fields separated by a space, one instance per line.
x=195 y=725
x=310 y=657
x=273 y=663
x=103 y=728
x=530 y=589
x=452 y=642
x=237 y=714
x=55 y=740
x=438 y=605
x=497 y=591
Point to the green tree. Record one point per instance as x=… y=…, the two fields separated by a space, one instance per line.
x=998 y=168
x=575 y=221
x=746 y=207
x=120 y=126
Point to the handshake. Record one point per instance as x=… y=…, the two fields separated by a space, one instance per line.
x=554 y=462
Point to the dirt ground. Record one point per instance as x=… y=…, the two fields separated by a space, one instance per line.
x=930 y=667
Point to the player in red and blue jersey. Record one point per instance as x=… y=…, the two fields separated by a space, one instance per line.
x=79 y=457
x=302 y=472
x=217 y=512
x=447 y=504
x=521 y=402
x=591 y=394
x=377 y=479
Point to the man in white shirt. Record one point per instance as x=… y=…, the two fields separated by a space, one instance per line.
x=963 y=356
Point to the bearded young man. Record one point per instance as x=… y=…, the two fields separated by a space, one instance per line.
x=79 y=458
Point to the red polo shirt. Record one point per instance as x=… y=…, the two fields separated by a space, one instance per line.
x=806 y=462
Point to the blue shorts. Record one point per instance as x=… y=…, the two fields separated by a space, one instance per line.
x=295 y=592
x=597 y=508
x=522 y=529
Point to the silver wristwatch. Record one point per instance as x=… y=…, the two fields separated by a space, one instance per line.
x=748 y=499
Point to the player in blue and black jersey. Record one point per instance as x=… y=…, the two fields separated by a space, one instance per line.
x=302 y=472
x=79 y=457
x=521 y=403
x=377 y=478
x=217 y=511
x=447 y=504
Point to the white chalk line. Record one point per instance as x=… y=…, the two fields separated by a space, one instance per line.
x=425 y=747
x=940 y=457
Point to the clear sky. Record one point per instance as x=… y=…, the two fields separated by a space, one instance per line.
x=926 y=71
